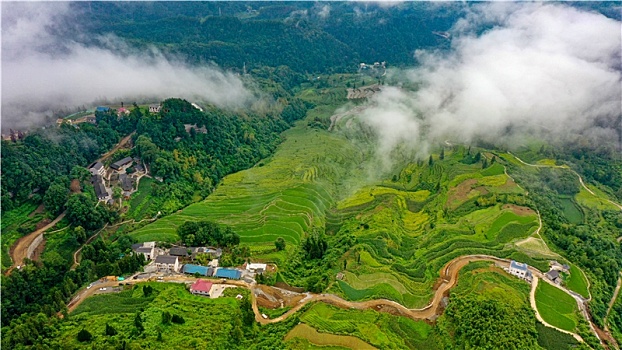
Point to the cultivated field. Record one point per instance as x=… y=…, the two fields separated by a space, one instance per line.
x=326 y=339
x=556 y=307
x=284 y=196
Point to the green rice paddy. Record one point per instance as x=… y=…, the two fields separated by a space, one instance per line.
x=556 y=307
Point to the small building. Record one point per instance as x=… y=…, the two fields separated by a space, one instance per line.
x=256 y=267
x=167 y=262
x=202 y=270
x=147 y=250
x=520 y=270
x=180 y=251
x=231 y=274
x=553 y=276
x=154 y=108
x=98 y=169
x=126 y=182
x=201 y=287
x=213 y=263
x=122 y=164
x=100 y=189
x=102 y=109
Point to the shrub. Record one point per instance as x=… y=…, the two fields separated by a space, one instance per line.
x=84 y=336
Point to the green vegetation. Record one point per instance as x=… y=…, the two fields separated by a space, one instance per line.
x=553 y=339
x=140 y=205
x=556 y=307
x=485 y=304
x=323 y=339
x=571 y=211
x=378 y=329
x=576 y=282
x=16 y=223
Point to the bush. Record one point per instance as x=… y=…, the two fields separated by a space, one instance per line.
x=178 y=319
x=84 y=336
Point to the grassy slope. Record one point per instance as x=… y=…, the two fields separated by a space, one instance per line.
x=577 y=282
x=119 y=310
x=378 y=329
x=421 y=242
x=326 y=339
x=11 y=221
x=284 y=196
x=556 y=307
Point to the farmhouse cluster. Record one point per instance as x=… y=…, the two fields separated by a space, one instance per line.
x=555 y=274
x=187 y=260
x=124 y=173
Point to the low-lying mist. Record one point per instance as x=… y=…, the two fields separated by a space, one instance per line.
x=44 y=71
x=539 y=70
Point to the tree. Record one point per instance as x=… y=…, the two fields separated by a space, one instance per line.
x=84 y=336
x=110 y=331
x=80 y=234
x=279 y=244
x=138 y=322
x=81 y=211
x=442 y=155
x=178 y=319
x=117 y=192
x=166 y=317
x=430 y=161
x=55 y=198
x=484 y=163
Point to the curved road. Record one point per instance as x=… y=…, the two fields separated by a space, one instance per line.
x=19 y=251
x=449 y=277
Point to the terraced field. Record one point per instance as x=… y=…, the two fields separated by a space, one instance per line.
x=407 y=230
x=556 y=307
x=378 y=329
x=284 y=196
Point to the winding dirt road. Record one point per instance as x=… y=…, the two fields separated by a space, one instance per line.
x=19 y=251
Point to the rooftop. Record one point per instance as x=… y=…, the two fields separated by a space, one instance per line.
x=553 y=274
x=518 y=266
x=179 y=251
x=203 y=270
x=201 y=285
x=228 y=273
x=165 y=259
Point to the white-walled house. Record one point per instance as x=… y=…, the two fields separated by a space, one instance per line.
x=167 y=262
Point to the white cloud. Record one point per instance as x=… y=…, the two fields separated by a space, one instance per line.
x=43 y=72
x=548 y=70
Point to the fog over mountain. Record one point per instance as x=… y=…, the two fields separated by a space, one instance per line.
x=544 y=70
x=44 y=71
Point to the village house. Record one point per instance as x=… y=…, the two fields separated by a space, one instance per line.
x=256 y=267
x=180 y=251
x=201 y=287
x=98 y=169
x=154 y=108
x=147 y=249
x=167 y=262
x=102 y=109
x=553 y=276
x=126 y=184
x=122 y=164
x=100 y=189
x=520 y=270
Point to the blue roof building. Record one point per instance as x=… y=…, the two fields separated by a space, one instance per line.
x=203 y=270
x=102 y=109
x=232 y=274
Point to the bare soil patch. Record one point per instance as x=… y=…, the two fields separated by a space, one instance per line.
x=519 y=210
x=460 y=193
x=40 y=209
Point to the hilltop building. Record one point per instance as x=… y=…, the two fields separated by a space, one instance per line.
x=520 y=270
